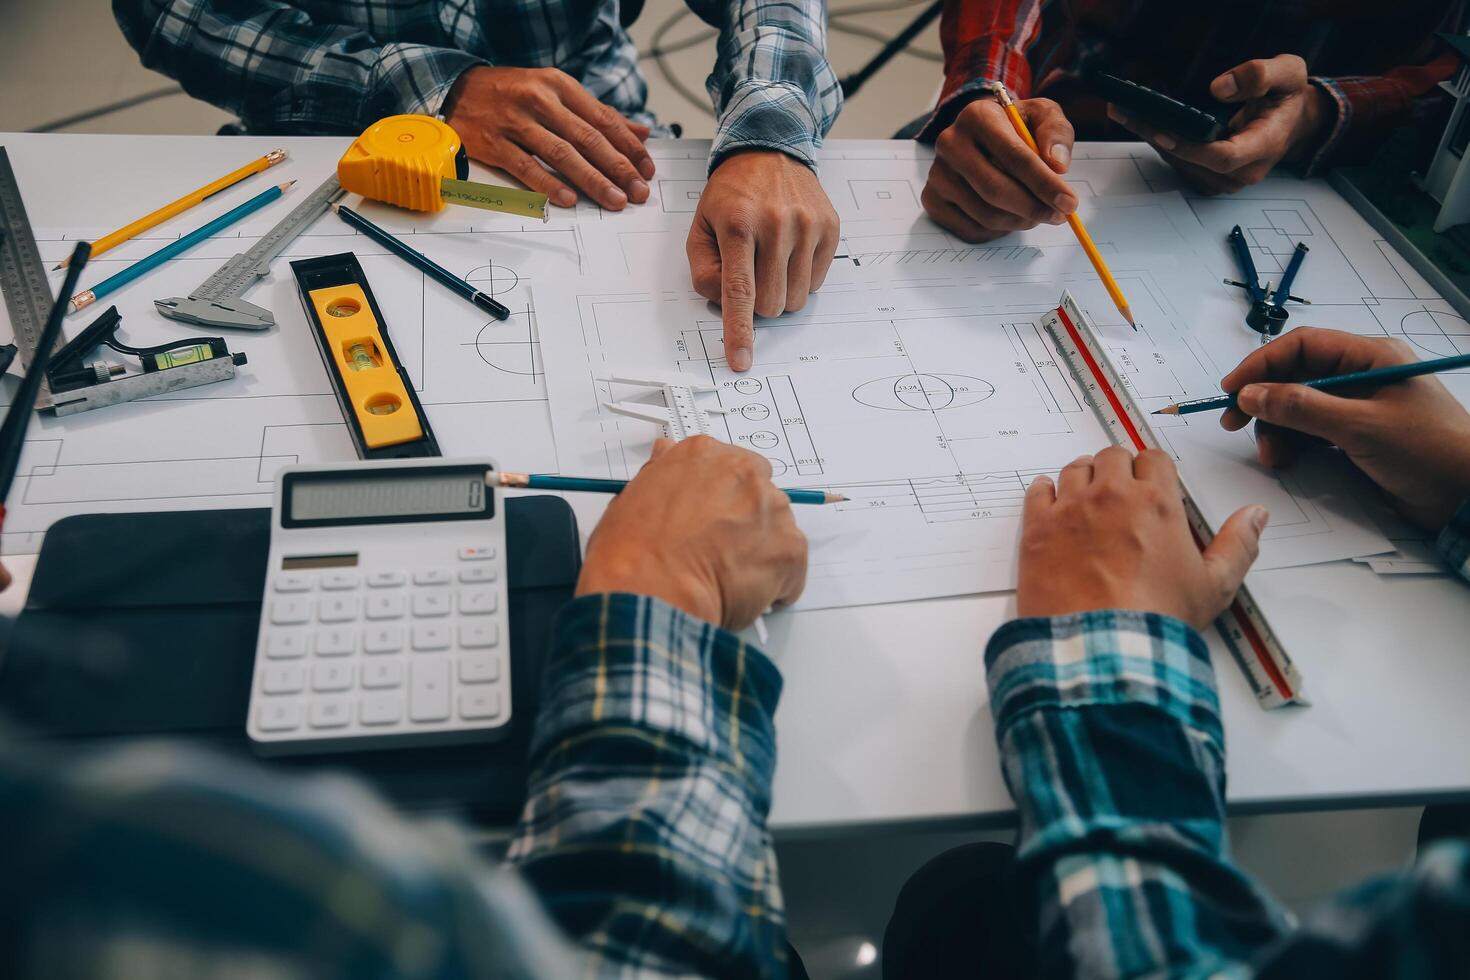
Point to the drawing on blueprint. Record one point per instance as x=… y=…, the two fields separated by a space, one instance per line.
x=922 y=392
x=221 y=446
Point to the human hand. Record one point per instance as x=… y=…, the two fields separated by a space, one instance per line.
x=507 y=117
x=1412 y=438
x=703 y=528
x=1282 y=117
x=986 y=182
x=763 y=239
x=1111 y=534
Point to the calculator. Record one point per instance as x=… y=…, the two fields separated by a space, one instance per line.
x=385 y=614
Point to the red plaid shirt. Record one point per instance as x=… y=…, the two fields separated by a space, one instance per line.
x=1380 y=63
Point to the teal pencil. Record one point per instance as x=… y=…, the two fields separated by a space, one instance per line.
x=1376 y=378
x=533 y=481
x=177 y=247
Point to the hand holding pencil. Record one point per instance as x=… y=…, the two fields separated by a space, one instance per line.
x=1411 y=437
x=702 y=528
x=1078 y=229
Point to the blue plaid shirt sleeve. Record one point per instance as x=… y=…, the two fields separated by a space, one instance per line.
x=645 y=832
x=1109 y=730
x=772 y=85
x=644 y=837
x=284 y=71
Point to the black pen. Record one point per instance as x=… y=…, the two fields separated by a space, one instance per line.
x=423 y=263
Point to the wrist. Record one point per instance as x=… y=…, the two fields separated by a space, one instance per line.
x=642 y=574
x=1315 y=124
x=456 y=92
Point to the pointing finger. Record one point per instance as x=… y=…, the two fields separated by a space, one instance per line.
x=737 y=291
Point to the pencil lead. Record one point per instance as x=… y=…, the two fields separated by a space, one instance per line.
x=1166 y=410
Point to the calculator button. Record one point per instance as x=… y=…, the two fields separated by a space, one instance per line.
x=431 y=604
x=477 y=636
x=337 y=608
x=285 y=644
x=477 y=602
x=337 y=642
x=382 y=639
x=431 y=636
x=331 y=677
x=282 y=679
x=428 y=690
x=477 y=552
x=432 y=576
x=382 y=673
x=385 y=580
x=388 y=605
x=290 y=610
x=337 y=581
x=279 y=716
x=477 y=573
x=291 y=582
x=382 y=709
x=479 y=703
x=479 y=670
x=329 y=713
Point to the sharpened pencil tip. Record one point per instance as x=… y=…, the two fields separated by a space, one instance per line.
x=60 y=265
x=1166 y=410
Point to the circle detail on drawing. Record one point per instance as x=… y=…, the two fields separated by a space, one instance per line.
x=755 y=412
x=748 y=386
x=764 y=440
x=923 y=392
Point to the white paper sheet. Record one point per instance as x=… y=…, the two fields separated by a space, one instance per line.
x=932 y=399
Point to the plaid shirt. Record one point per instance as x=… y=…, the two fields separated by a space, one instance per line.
x=644 y=839
x=322 y=67
x=1110 y=738
x=1380 y=63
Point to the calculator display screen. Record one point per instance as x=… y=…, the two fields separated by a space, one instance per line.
x=392 y=496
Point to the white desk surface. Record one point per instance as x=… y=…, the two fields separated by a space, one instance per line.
x=885 y=718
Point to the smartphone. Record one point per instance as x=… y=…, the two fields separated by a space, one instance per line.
x=1156 y=109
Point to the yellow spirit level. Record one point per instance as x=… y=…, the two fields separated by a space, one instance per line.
x=375 y=392
x=419 y=163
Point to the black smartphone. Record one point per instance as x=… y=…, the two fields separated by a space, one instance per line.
x=1156 y=109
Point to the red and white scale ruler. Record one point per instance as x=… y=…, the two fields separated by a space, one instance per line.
x=1243 y=626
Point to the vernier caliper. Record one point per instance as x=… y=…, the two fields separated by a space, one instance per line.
x=217 y=302
x=681 y=415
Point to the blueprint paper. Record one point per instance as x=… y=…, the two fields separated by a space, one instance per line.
x=220 y=445
x=926 y=391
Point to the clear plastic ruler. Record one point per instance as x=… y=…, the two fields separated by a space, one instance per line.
x=1250 y=638
x=217 y=302
x=28 y=296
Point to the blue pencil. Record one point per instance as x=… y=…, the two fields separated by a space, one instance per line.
x=584 y=484
x=1376 y=378
x=177 y=247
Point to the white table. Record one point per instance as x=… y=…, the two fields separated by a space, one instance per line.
x=884 y=719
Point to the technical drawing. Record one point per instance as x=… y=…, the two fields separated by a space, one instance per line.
x=923 y=392
x=1436 y=332
x=512 y=345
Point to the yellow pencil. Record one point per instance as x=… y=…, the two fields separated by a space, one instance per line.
x=183 y=204
x=1077 y=227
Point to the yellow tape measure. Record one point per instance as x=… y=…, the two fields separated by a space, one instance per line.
x=419 y=163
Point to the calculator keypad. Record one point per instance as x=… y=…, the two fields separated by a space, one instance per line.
x=383 y=651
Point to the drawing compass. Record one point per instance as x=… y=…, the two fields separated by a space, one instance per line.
x=1268 y=313
x=681 y=415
